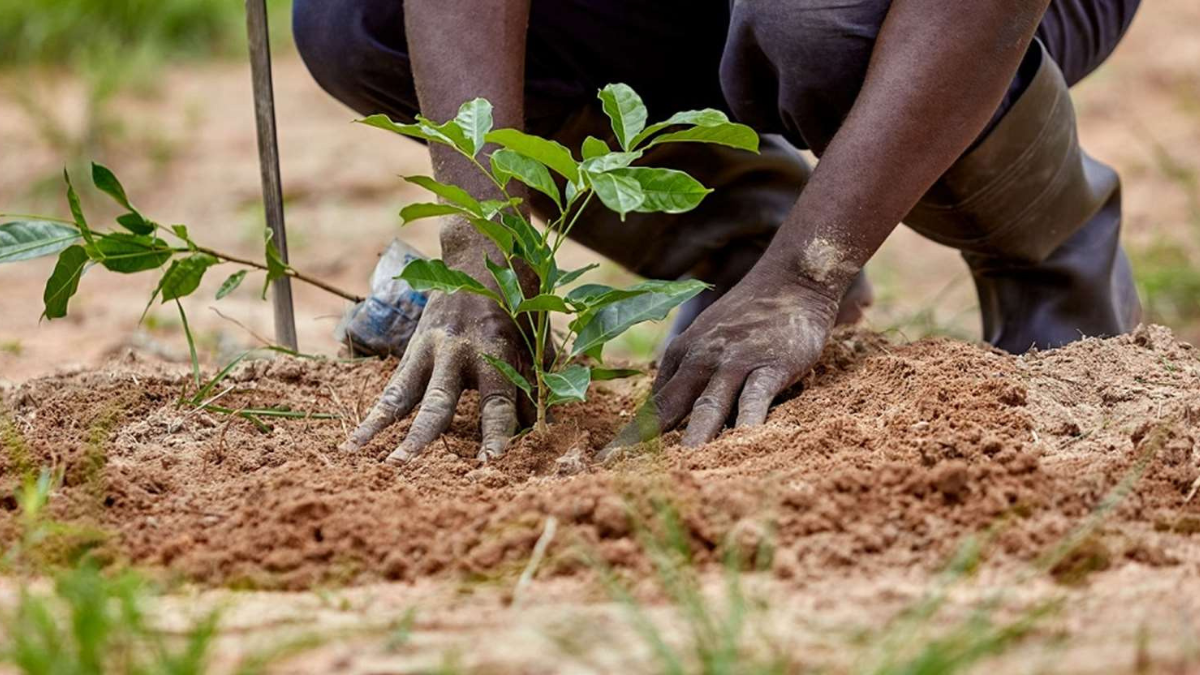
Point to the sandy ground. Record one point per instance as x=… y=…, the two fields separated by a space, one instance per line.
x=1077 y=468
x=833 y=583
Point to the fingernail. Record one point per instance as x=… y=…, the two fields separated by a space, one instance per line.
x=490 y=451
x=399 y=457
x=608 y=453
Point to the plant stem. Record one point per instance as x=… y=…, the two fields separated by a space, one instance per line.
x=291 y=272
x=541 y=402
x=565 y=232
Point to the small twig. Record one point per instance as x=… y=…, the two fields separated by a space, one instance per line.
x=362 y=389
x=1193 y=491
x=291 y=272
x=221 y=437
x=243 y=326
x=535 y=559
x=342 y=408
x=205 y=404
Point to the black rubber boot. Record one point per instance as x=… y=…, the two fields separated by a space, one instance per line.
x=1038 y=222
x=1085 y=288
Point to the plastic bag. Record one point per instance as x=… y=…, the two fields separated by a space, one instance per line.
x=384 y=323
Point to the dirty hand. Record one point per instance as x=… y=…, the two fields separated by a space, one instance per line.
x=441 y=361
x=758 y=339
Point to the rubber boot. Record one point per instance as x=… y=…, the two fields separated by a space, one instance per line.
x=1038 y=222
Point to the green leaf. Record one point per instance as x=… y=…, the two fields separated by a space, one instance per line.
x=153 y=297
x=596 y=353
x=510 y=285
x=424 y=132
x=528 y=244
x=64 y=281
x=550 y=153
x=130 y=253
x=665 y=190
x=451 y=193
x=181 y=231
x=191 y=341
x=588 y=293
x=544 y=303
x=420 y=210
x=592 y=297
x=564 y=279
x=135 y=223
x=733 y=135
x=500 y=236
x=594 y=147
x=613 y=160
x=618 y=317
x=209 y=387
x=77 y=211
x=475 y=120
x=509 y=163
x=29 y=239
x=231 y=284
x=702 y=118
x=604 y=374
x=493 y=206
x=450 y=130
x=276 y=267
x=626 y=110
x=510 y=373
x=106 y=181
x=184 y=275
x=568 y=386
x=434 y=275
x=619 y=193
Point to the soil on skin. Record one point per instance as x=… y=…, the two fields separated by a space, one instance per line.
x=885 y=457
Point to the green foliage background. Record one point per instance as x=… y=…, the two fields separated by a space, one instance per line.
x=62 y=32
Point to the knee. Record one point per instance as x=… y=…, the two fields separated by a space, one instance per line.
x=814 y=54
x=323 y=41
x=334 y=42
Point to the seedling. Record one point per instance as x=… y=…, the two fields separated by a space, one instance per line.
x=597 y=313
x=616 y=177
x=138 y=247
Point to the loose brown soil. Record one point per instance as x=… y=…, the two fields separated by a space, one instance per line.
x=884 y=459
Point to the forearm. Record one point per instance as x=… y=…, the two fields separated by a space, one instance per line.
x=460 y=50
x=938 y=72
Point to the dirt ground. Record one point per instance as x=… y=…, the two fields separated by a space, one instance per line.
x=859 y=489
x=879 y=466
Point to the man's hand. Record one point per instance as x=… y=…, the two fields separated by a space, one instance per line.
x=442 y=360
x=756 y=341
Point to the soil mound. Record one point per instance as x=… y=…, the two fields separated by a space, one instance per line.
x=884 y=456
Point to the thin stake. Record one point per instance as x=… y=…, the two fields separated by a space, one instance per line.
x=268 y=159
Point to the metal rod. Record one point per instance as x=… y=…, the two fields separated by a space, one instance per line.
x=268 y=159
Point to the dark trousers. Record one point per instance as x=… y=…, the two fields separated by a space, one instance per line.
x=787 y=67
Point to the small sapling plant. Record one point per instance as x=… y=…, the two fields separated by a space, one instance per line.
x=139 y=245
x=617 y=177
